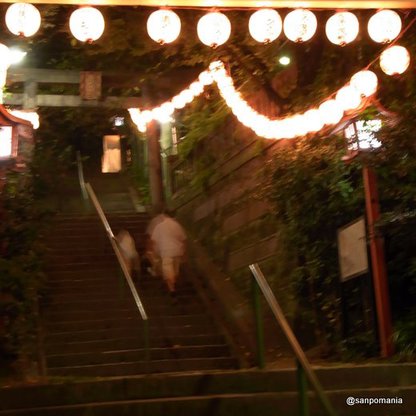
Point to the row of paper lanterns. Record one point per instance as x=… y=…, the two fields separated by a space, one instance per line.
x=214 y=28
x=393 y=60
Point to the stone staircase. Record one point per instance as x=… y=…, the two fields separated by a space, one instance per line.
x=217 y=393
x=92 y=325
x=97 y=364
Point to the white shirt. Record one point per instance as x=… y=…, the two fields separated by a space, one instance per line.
x=169 y=238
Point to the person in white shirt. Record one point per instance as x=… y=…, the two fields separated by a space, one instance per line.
x=169 y=242
x=128 y=250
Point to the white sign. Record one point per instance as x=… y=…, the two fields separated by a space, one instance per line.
x=352 y=249
x=111 y=160
x=5 y=141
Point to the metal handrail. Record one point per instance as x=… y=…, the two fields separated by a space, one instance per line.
x=117 y=251
x=287 y=330
x=81 y=177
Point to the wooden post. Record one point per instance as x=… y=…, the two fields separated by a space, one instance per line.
x=378 y=262
x=155 y=166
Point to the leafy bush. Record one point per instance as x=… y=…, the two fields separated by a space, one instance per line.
x=21 y=276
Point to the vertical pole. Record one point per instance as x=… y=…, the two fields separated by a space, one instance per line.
x=30 y=94
x=378 y=262
x=146 y=336
x=155 y=166
x=259 y=323
x=302 y=389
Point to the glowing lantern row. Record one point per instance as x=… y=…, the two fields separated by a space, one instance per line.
x=164 y=112
x=23 y=19
x=265 y=26
x=350 y=97
x=313 y=120
x=87 y=24
x=163 y=26
x=394 y=60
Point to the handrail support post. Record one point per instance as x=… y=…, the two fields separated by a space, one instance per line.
x=258 y=316
x=302 y=389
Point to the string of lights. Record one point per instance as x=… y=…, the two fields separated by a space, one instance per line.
x=354 y=96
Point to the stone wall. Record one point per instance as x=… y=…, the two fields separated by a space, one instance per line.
x=232 y=219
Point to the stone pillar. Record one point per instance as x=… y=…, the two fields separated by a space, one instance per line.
x=29 y=95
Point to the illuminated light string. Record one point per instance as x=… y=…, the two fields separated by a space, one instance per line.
x=350 y=97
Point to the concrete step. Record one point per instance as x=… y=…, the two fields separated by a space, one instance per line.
x=95 y=223
x=123 y=311
x=265 y=404
x=132 y=342
x=129 y=322
x=83 y=267
x=141 y=367
x=156 y=301
x=80 y=257
x=246 y=392
x=94 y=334
x=117 y=356
x=62 y=296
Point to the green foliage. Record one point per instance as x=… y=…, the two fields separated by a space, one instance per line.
x=201 y=121
x=359 y=347
x=313 y=194
x=21 y=277
x=404 y=336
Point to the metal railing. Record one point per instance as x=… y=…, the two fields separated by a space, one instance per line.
x=123 y=265
x=81 y=176
x=303 y=365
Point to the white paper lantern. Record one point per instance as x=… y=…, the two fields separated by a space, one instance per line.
x=365 y=82
x=313 y=120
x=384 y=26
x=214 y=29
x=342 y=28
x=163 y=26
x=23 y=19
x=87 y=24
x=300 y=25
x=348 y=98
x=394 y=60
x=265 y=25
x=331 y=112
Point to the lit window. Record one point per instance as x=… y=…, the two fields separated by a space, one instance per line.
x=5 y=141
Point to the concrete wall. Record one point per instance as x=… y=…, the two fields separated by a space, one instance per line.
x=231 y=217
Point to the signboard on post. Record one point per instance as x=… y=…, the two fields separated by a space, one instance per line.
x=352 y=250
x=90 y=85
